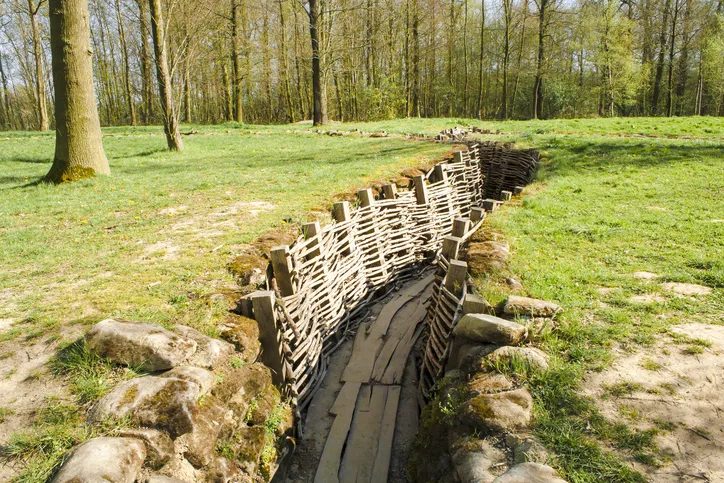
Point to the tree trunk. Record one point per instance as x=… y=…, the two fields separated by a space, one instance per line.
x=40 y=98
x=170 y=116
x=465 y=58
x=78 y=140
x=126 y=65
x=146 y=87
x=6 y=119
x=507 y=8
x=518 y=63
x=670 y=77
x=416 y=59
x=660 y=61
x=538 y=84
x=481 y=73
x=236 y=58
x=319 y=87
x=285 y=63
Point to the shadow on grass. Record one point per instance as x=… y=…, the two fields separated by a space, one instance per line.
x=20 y=159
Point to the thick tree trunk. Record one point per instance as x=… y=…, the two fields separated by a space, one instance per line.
x=40 y=98
x=670 y=76
x=319 y=87
x=285 y=64
x=78 y=141
x=481 y=73
x=170 y=115
x=126 y=65
x=660 y=61
x=146 y=87
x=538 y=84
x=236 y=60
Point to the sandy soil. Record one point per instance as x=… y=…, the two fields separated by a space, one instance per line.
x=678 y=390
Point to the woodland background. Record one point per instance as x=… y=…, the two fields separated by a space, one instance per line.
x=251 y=61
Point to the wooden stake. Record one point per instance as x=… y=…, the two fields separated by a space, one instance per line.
x=269 y=334
x=311 y=230
x=366 y=198
x=489 y=205
x=460 y=227
x=506 y=195
x=518 y=190
x=440 y=172
x=476 y=214
x=458 y=156
x=456 y=274
x=341 y=211
x=451 y=247
x=389 y=191
x=282 y=266
x=420 y=190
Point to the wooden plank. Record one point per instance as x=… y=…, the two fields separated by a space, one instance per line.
x=349 y=390
x=401 y=324
x=328 y=469
x=396 y=367
x=282 y=265
x=361 y=451
x=387 y=433
x=263 y=303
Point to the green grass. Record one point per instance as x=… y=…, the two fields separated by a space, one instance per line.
x=604 y=207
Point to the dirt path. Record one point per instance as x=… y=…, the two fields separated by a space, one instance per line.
x=373 y=397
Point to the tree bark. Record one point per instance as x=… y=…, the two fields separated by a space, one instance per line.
x=416 y=59
x=319 y=87
x=236 y=60
x=507 y=9
x=170 y=115
x=285 y=63
x=660 y=61
x=78 y=140
x=481 y=73
x=126 y=65
x=40 y=97
x=538 y=84
x=670 y=76
x=146 y=87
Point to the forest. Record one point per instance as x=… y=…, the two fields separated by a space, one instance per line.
x=270 y=61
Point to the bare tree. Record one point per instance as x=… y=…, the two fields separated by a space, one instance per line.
x=78 y=141
x=40 y=99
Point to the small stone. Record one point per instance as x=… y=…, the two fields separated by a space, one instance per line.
x=248 y=269
x=159 y=447
x=243 y=332
x=201 y=377
x=210 y=352
x=489 y=383
x=114 y=460
x=687 y=288
x=473 y=460
x=530 y=473
x=200 y=442
x=513 y=284
x=531 y=307
x=526 y=449
x=475 y=304
x=645 y=275
x=505 y=411
x=144 y=346
x=489 y=329
x=158 y=402
x=535 y=359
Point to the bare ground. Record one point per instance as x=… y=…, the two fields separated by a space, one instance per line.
x=679 y=391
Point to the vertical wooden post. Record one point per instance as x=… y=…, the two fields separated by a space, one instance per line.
x=282 y=266
x=518 y=190
x=456 y=274
x=269 y=335
x=311 y=230
x=366 y=198
x=389 y=191
x=476 y=214
x=341 y=213
x=489 y=205
x=420 y=190
x=450 y=247
x=460 y=227
x=506 y=195
x=458 y=156
x=440 y=172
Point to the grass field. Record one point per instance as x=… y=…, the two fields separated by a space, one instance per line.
x=151 y=243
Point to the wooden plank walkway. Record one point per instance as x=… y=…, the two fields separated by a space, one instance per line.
x=359 y=445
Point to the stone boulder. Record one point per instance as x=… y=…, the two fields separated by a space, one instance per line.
x=489 y=383
x=505 y=411
x=525 y=306
x=200 y=442
x=163 y=479
x=159 y=447
x=530 y=473
x=469 y=356
x=248 y=269
x=476 y=460
x=201 y=377
x=142 y=346
x=210 y=352
x=243 y=332
x=103 y=460
x=244 y=385
x=158 y=402
x=487 y=256
x=221 y=470
x=530 y=357
x=489 y=329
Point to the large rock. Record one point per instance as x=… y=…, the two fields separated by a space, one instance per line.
x=103 y=460
x=243 y=332
x=244 y=446
x=201 y=377
x=476 y=460
x=515 y=305
x=159 y=447
x=469 y=356
x=244 y=385
x=530 y=473
x=489 y=383
x=200 y=442
x=210 y=352
x=146 y=347
x=157 y=402
x=489 y=329
x=488 y=256
x=221 y=470
x=163 y=479
x=505 y=411
x=530 y=357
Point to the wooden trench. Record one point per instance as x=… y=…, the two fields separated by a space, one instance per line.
x=326 y=281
